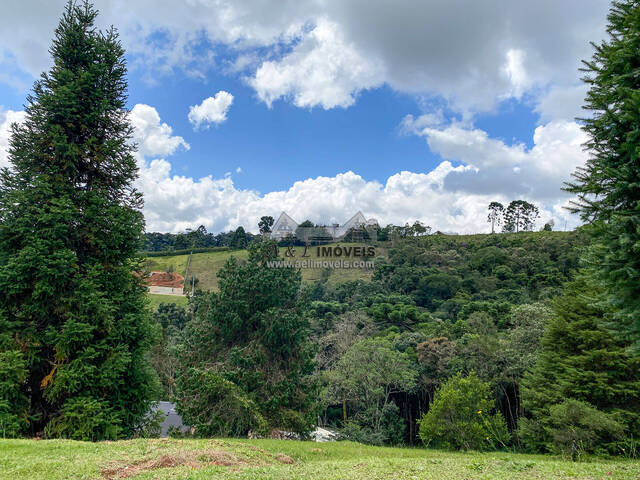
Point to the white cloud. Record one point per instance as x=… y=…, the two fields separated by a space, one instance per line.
x=6 y=119
x=449 y=198
x=562 y=103
x=512 y=170
x=211 y=110
x=323 y=52
x=322 y=70
x=239 y=170
x=515 y=70
x=153 y=137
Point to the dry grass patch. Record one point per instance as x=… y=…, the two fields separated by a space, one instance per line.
x=192 y=459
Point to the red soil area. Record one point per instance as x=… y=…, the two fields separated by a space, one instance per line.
x=165 y=279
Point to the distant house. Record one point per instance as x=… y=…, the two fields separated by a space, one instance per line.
x=165 y=283
x=286 y=226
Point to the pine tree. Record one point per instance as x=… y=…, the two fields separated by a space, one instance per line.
x=520 y=215
x=580 y=361
x=73 y=314
x=608 y=187
x=496 y=211
x=246 y=362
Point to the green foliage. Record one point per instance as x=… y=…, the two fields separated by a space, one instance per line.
x=459 y=417
x=172 y=319
x=367 y=375
x=520 y=216
x=251 y=340
x=218 y=407
x=85 y=418
x=574 y=428
x=151 y=425
x=13 y=400
x=390 y=431
x=239 y=239
x=265 y=224
x=608 y=186
x=580 y=360
x=70 y=228
x=496 y=212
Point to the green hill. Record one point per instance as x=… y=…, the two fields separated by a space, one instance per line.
x=205 y=267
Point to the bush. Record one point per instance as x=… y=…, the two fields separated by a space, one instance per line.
x=574 y=428
x=459 y=417
x=218 y=407
x=390 y=431
x=151 y=425
x=84 y=418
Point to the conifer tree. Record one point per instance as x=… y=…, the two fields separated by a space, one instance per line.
x=246 y=361
x=608 y=187
x=580 y=361
x=74 y=327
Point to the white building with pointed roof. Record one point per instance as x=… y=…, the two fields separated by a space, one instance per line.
x=285 y=226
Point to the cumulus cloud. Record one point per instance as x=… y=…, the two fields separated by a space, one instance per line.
x=322 y=70
x=448 y=198
x=211 y=110
x=512 y=170
x=323 y=52
x=562 y=103
x=6 y=119
x=154 y=138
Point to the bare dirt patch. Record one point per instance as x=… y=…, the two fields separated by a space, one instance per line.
x=194 y=460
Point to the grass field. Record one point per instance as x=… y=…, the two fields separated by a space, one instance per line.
x=281 y=459
x=205 y=266
x=155 y=300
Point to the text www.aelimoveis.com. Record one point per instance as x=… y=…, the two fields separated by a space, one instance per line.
x=321 y=264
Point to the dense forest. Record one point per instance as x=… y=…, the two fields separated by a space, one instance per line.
x=440 y=309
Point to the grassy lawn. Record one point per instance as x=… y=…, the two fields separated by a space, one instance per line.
x=281 y=459
x=155 y=300
x=205 y=266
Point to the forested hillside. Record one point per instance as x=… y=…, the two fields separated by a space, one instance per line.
x=438 y=308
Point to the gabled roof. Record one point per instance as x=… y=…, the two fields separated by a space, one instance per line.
x=357 y=220
x=284 y=224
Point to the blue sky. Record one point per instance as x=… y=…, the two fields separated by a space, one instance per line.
x=420 y=111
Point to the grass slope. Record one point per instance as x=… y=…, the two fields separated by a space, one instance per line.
x=280 y=459
x=205 y=266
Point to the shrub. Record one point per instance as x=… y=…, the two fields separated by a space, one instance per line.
x=574 y=428
x=151 y=425
x=459 y=417
x=84 y=418
x=218 y=407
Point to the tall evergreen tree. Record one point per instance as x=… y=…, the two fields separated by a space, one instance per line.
x=580 y=361
x=73 y=317
x=608 y=187
x=520 y=215
x=496 y=212
x=246 y=361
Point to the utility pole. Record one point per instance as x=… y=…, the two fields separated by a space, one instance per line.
x=186 y=273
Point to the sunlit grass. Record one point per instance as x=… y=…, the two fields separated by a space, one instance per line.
x=282 y=459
